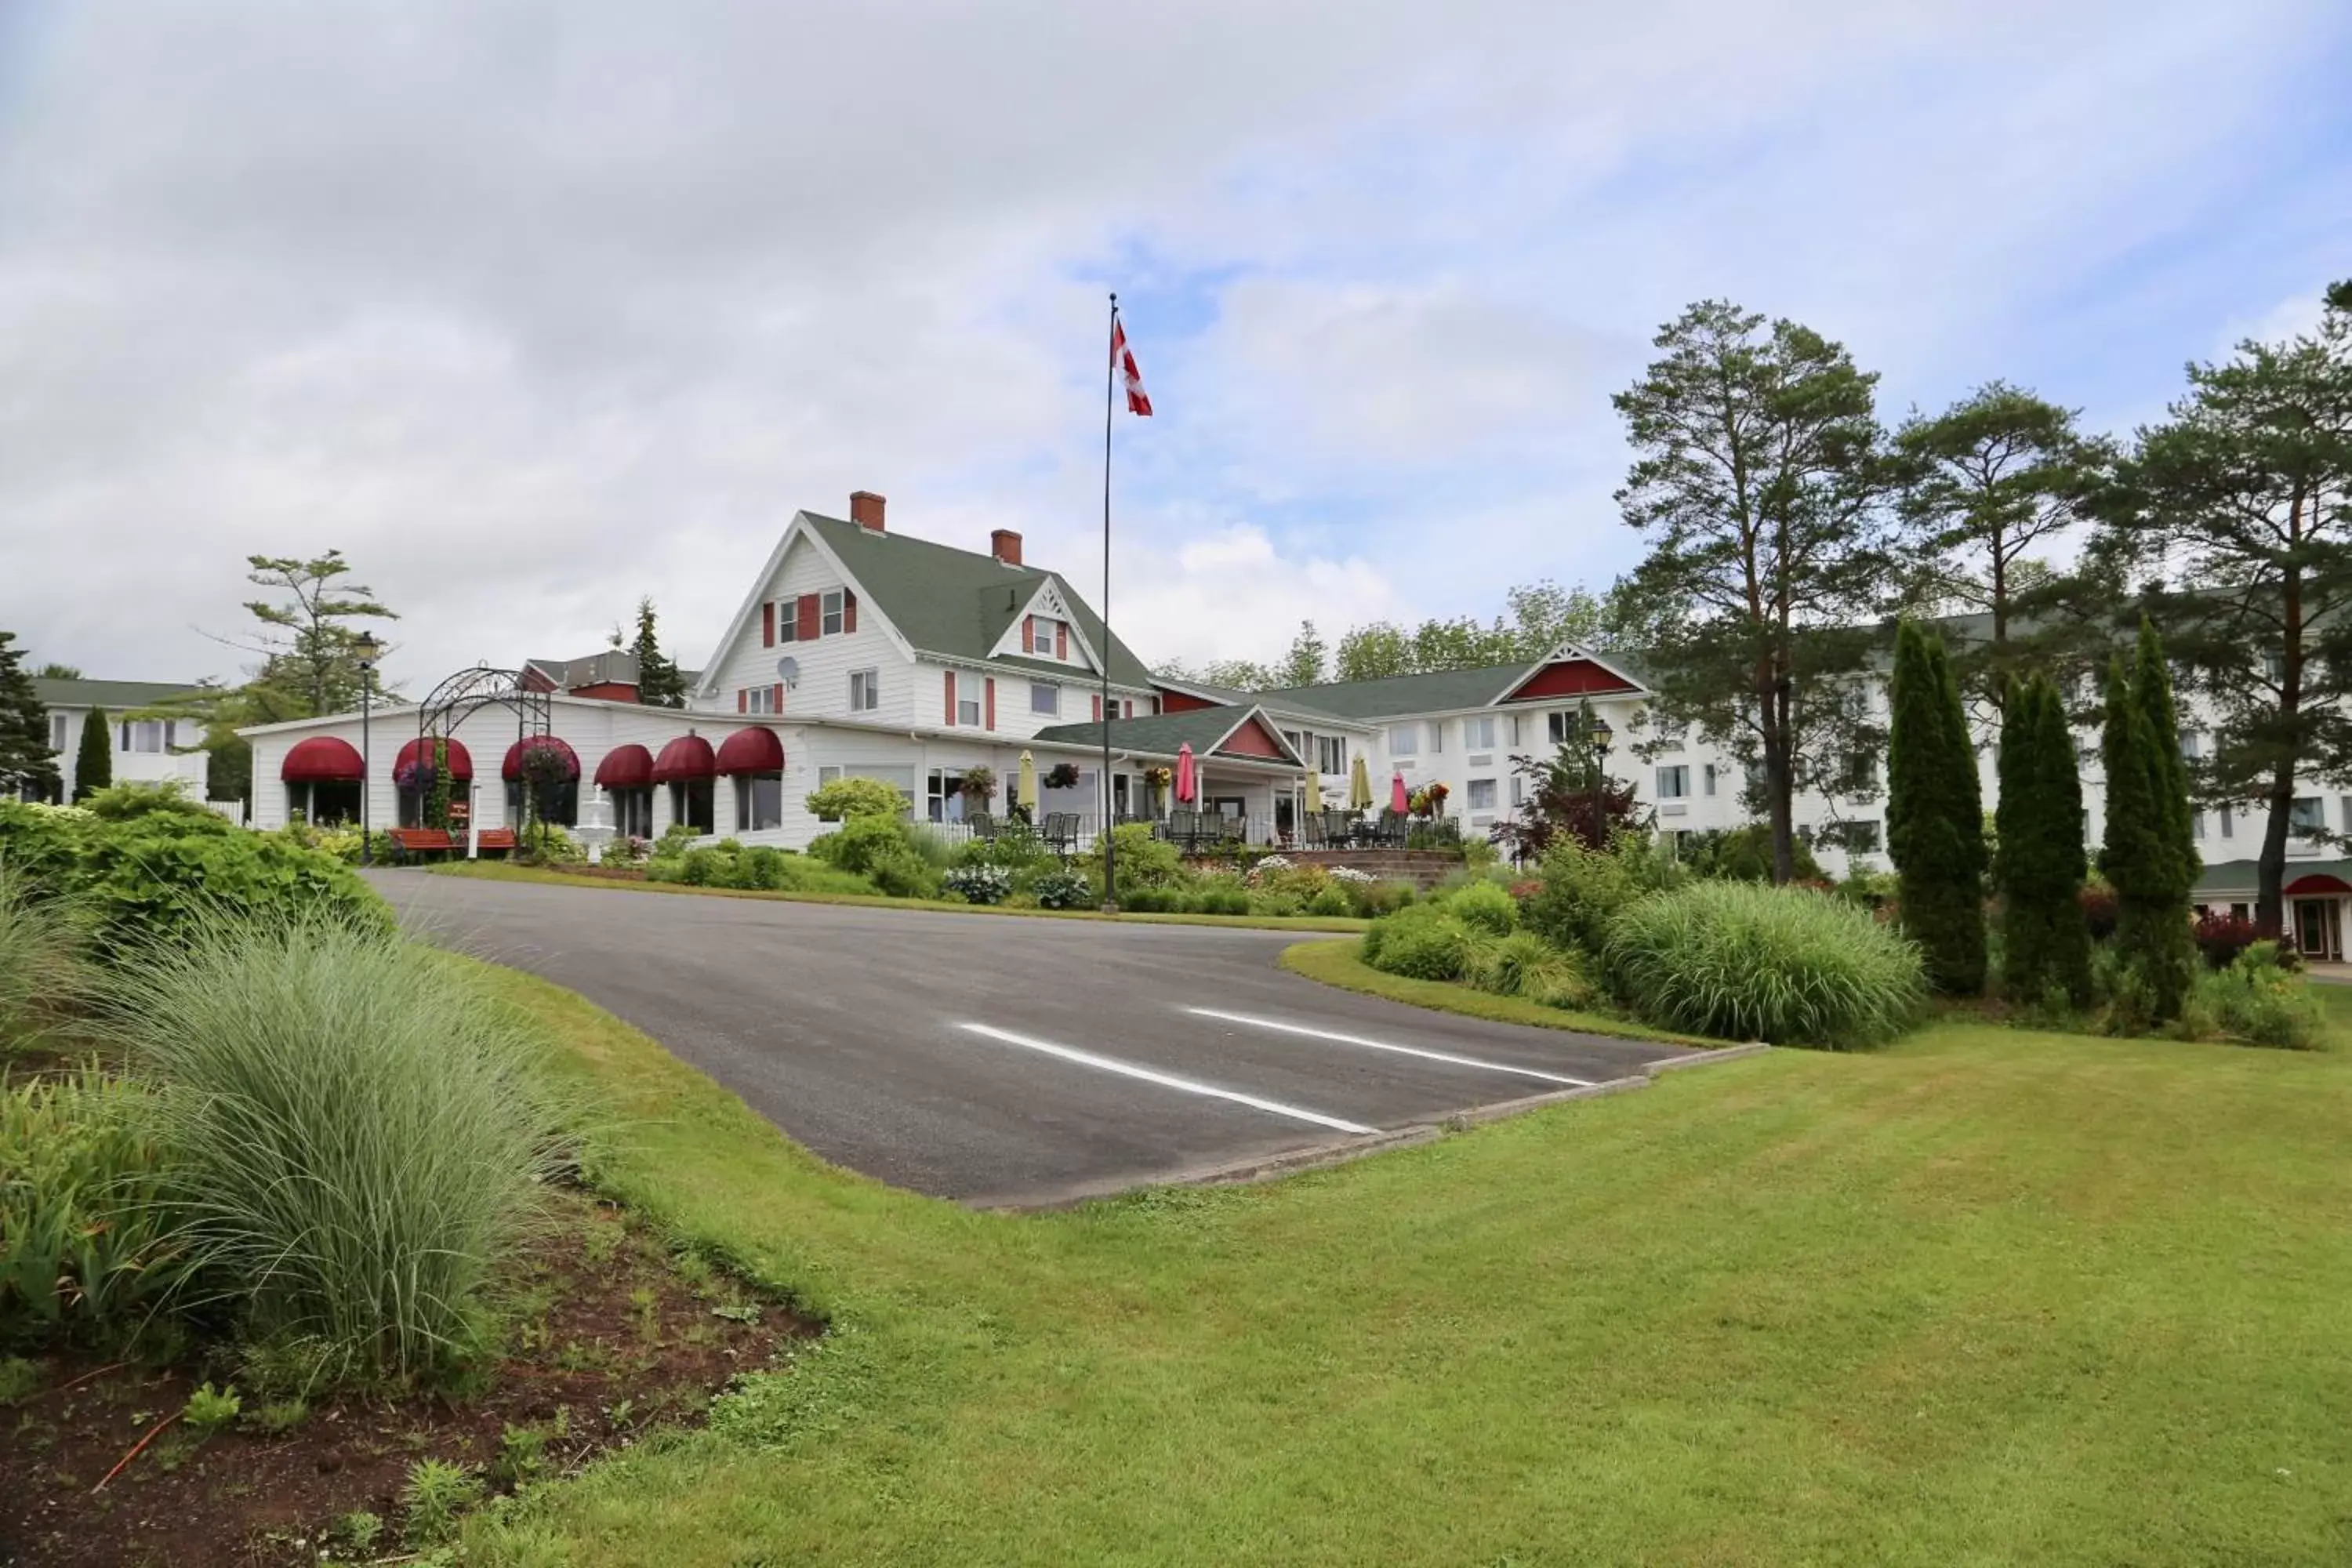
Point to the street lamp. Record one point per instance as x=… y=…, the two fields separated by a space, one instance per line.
x=367 y=647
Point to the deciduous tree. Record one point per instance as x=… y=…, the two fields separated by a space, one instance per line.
x=1760 y=485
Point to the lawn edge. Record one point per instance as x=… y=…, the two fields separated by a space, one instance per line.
x=497 y=871
x=1335 y=964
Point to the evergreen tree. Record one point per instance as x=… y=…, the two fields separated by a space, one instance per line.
x=1303 y=665
x=94 y=762
x=660 y=683
x=2039 y=870
x=2146 y=852
x=26 y=759
x=1935 y=814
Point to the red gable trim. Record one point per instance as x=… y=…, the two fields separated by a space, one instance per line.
x=1251 y=738
x=1569 y=677
x=1174 y=701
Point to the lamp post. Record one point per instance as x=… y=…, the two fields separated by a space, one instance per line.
x=367 y=647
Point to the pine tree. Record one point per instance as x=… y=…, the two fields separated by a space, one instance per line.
x=1935 y=814
x=94 y=762
x=26 y=759
x=2146 y=852
x=660 y=683
x=2045 y=948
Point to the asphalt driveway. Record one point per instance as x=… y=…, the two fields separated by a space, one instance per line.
x=1000 y=1060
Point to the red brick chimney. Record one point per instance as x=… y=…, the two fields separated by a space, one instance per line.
x=866 y=509
x=1005 y=546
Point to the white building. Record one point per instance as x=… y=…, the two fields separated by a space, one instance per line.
x=144 y=750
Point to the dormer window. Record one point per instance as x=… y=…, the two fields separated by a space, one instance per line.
x=1041 y=637
x=833 y=612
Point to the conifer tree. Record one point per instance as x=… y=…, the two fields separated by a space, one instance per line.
x=2045 y=947
x=25 y=760
x=2146 y=852
x=94 y=761
x=1935 y=814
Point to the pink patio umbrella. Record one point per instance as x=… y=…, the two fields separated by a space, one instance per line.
x=1188 y=785
x=1398 y=801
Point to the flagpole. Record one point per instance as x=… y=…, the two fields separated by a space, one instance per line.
x=1102 y=656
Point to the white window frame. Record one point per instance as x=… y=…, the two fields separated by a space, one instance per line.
x=971 y=711
x=1482 y=795
x=1555 y=726
x=830 y=613
x=1405 y=740
x=1331 y=754
x=1478 y=732
x=61 y=731
x=788 y=620
x=1677 y=775
x=747 y=798
x=2304 y=823
x=865 y=690
x=1045 y=698
x=1437 y=737
x=133 y=731
x=757 y=699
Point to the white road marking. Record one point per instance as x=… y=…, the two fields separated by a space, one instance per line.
x=1281 y=1027
x=1165 y=1080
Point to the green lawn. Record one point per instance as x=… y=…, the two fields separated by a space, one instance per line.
x=1337 y=964
x=1990 y=1297
x=500 y=871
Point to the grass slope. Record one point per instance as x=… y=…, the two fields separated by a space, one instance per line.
x=500 y=871
x=1988 y=1297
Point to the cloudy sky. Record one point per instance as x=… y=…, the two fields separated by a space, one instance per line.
x=534 y=308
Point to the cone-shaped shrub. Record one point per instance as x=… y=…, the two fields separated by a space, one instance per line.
x=94 y=758
x=2146 y=852
x=1935 y=814
x=2039 y=872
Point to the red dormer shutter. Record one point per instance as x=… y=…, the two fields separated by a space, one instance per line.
x=1028 y=634
x=806 y=625
x=1061 y=640
x=950 y=685
x=743 y=699
x=988 y=695
x=1097 y=703
x=768 y=623
x=776 y=697
x=848 y=611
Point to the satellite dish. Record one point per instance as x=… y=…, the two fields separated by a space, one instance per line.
x=788 y=671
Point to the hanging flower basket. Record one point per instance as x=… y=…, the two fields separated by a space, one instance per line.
x=1062 y=776
x=416 y=775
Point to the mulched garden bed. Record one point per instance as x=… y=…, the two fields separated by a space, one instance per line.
x=606 y=1337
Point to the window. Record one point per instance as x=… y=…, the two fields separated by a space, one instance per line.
x=1861 y=837
x=1674 y=781
x=1298 y=740
x=1405 y=740
x=58 y=722
x=759 y=802
x=1482 y=795
x=1557 y=725
x=2188 y=745
x=969 y=710
x=1436 y=736
x=1861 y=771
x=2343 y=804
x=2225 y=813
x=759 y=699
x=1707 y=779
x=146 y=734
x=1331 y=754
x=1478 y=734
x=865 y=690
x=2241 y=911
x=2307 y=815
x=2197 y=826
x=2274 y=666
x=1045 y=697
x=830 y=616
x=1519 y=790
x=691 y=803
x=788 y=620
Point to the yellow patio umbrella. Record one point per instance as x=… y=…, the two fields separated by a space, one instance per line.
x=1359 y=786
x=1025 y=794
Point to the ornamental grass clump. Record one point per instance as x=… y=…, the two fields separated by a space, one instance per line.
x=1746 y=962
x=41 y=967
x=357 y=1131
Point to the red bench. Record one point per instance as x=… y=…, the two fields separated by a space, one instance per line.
x=420 y=840
x=497 y=838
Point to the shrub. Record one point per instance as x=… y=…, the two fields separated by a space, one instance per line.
x=762 y=866
x=1143 y=861
x=1743 y=960
x=1016 y=847
x=1582 y=892
x=979 y=884
x=898 y=871
x=861 y=840
x=847 y=797
x=1064 y=889
x=357 y=1133
x=2220 y=937
x=1221 y=896
x=546 y=843
x=2256 y=1001
x=139 y=797
x=1423 y=942
x=1330 y=899
x=1484 y=907
x=84 y=1245
x=155 y=876
x=41 y=969
x=674 y=841
x=1740 y=855
x=1373 y=899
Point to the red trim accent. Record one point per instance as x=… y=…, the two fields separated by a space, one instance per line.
x=1181 y=702
x=989 y=693
x=1569 y=677
x=2315 y=885
x=606 y=691
x=1028 y=634
x=755 y=750
x=743 y=699
x=776 y=697
x=512 y=767
x=950 y=684
x=1096 y=700
x=1126 y=707
x=1061 y=640
x=768 y=623
x=688 y=757
x=848 y=611
x=323 y=759
x=624 y=767
x=461 y=761
x=1252 y=740
x=807 y=620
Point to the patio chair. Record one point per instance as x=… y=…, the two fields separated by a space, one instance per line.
x=1061 y=831
x=982 y=823
x=1390 y=833
x=1185 y=829
x=1317 y=837
x=1339 y=828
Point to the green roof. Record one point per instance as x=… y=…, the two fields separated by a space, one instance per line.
x=114 y=696
x=1158 y=734
x=959 y=602
x=2244 y=876
x=1434 y=692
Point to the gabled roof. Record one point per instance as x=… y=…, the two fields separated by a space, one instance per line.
x=1164 y=734
x=957 y=603
x=114 y=696
x=1438 y=692
x=614 y=666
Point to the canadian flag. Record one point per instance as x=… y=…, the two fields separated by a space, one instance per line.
x=1122 y=360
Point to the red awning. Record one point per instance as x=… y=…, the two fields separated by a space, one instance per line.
x=688 y=757
x=2318 y=884
x=752 y=751
x=512 y=768
x=461 y=761
x=626 y=767
x=323 y=759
